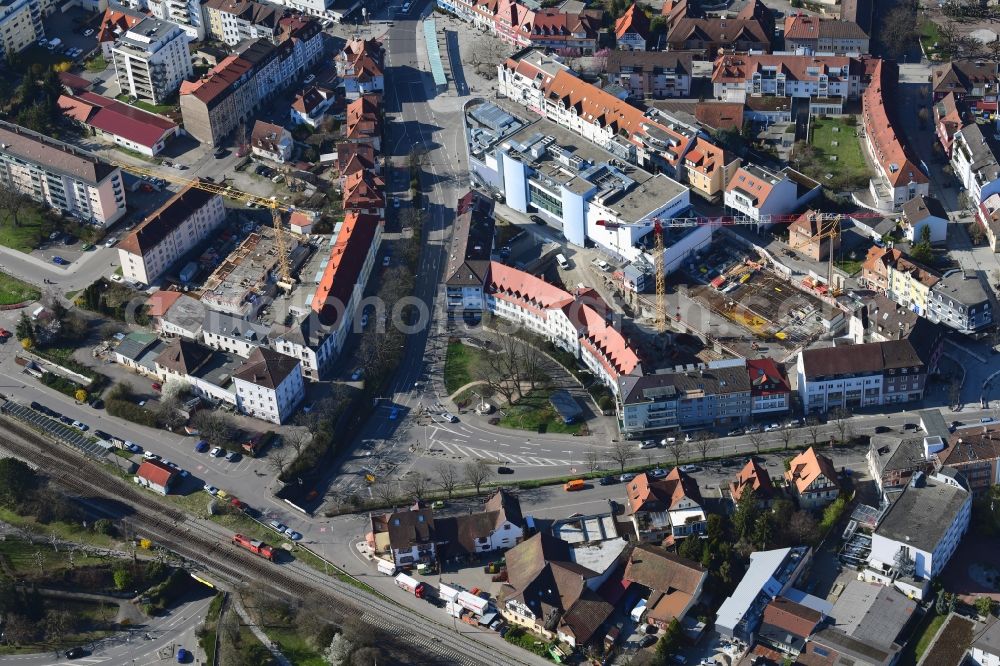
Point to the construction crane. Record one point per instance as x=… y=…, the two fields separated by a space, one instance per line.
x=829 y=227
x=277 y=208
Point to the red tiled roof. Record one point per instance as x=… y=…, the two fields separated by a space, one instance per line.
x=310 y=98
x=347 y=257
x=363 y=189
x=758 y=188
x=767 y=377
x=720 y=115
x=73 y=82
x=525 y=290
x=753 y=475
x=116 y=22
x=645 y=493
x=114 y=117
x=893 y=157
x=704 y=157
x=634 y=20
x=807 y=466
x=155 y=472
x=158 y=304
x=741 y=68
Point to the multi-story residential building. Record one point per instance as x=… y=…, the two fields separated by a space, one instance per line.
x=233 y=334
x=988 y=217
x=232 y=92
x=735 y=78
x=715 y=394
x=707 y=36
x=899 y=179
x=269 y=385
x=770 y=391
x=116 y=21
x=665 y=510
x=948 y=119
x=353 y=157
x=410 y=535
x=364 y=192
x=960 y=301
x=61 y=176
x=363 y=120
x=903 y=280
x=813 y=236
x=632 y=29
x=651 y=139
x=339 y=292
x=973 y=82
x=811 y=34
x=709 y=168
x=975 y=453
x=926 y=522
x=787 y=626
x=812 y=479
x=468 y=267
x=188 y=218
x=892 y=461
x=310 y=105
x=753 y=477
x=498 y=526
x=571 y=32
x=865 y=375
x=973 y=158
x=674 y=584
x=878 y=319
x=151 y=60
x=585 y=193
x=985 y=648
x=646 y=74
x=576 y=322
x=232 y=21
x=272 y=142
x=185 y=13
x=20 y=26
x=760 y=193
x=359 y=66
x=922 y=212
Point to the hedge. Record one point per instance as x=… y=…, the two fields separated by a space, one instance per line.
x=61 y=384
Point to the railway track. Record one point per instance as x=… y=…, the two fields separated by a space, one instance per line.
x=204 y=547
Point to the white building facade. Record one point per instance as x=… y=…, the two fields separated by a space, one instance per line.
x=151 y=60
x=269 y=386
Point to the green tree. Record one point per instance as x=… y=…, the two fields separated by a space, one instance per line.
x=669 y=643
x=691 y=548
x=745 y=515
x=984 y=606
x=833 y=512
x=123 y=578
x=763 y=532
x=25 y=329
x=922 y=251
x=17 y=482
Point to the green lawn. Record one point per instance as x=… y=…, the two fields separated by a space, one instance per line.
x=146 y=106
x=13 y=290
x=930 y=34
x=32 y=227
x=66 y=531
x=96 y=64
x=849 y=170
x=849 y=266
x=535 y=413
x=461 y=366
x=295 y=647
x=24 y=558
x=930 y=630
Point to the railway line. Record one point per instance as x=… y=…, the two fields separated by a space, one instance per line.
x=206 y=550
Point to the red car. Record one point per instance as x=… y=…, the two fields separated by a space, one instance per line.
x=4 y=333
x=157 y=387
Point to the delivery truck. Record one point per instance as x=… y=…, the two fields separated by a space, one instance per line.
x=411 y=585
x=386 y=567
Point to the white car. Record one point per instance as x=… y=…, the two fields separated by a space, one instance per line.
x=772 y=427
x=211 y=490
x=690 y=469
x=309 y=79
x=275 y=525
x=395 y=202
x=149 y=455
x=79 y=425
x=217 y=452
x=647 y=444
x=117 y=278
x=111 y=241
x=449 y=417
x=668 y=440
x=292 y=534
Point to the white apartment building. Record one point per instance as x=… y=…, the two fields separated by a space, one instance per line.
x=758 y=193
x=232 y=21
x=226 y=332
x=151 y=60
x=269 y=386
x=309 y=341
x=738 y=77
x=985 y=648
x=928 y=521
x=974 y=160
x=20 y=26
x=185 y=13
x=61 y=176
x=187 y=219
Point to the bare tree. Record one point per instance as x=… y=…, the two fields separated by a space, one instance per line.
x=477 y=473
x=621 y=452
x=415 y=485
x=446 y=476
x=12 y=203
x=592 y=458
x=297 y=440
x=786 y=436
x=386 y=491
x=677 y=448
x=277 y=459
x=757 y=439
x=813 y=427
x=954 y=393
x=703 y=442
x=841 y=420
x=899 y=29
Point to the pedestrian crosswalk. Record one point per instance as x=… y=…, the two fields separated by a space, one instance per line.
x=464 y=451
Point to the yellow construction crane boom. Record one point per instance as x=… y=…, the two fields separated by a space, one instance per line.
x=277 y=208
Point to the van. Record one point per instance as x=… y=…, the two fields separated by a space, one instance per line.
x=38 y=312
x=575 y=484
x=561 y=260
x=386 y=567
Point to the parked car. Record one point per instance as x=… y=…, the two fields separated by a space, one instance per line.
x=647 y=444
x=608 y=481
x=386 y=260
x=882 y=429
x=75 y=652
x=233 y=456
x=66 y=420
x=626 y=477
x=275 y=525
x=218 y=452
x=657 y=473
x=394 y=413
x=357 y=374
x=772 y=427
x=88 y=32
x=309 y=79
x=292 y=534
x=690 y=469
x=210 y=489
x=59 y=261
x=504 y=470
x=4 y=334
x=201 y=446
x=149 y=455
x=133 y=447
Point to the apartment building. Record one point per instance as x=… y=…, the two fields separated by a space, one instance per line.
x=229 y=333
x=61 y=176
x=893 y=460
x=812 y=235
x=232 y=21
x=709 y=168
x=151 y=60
x=960 y=301
x=188 y=218
x=926 y=522
x=988 y=217
x=20 y=26
x=948 y=119
x=975 y=453
x=973 y=158
x=269 y=386
x=770 y=391
x=650 y=74
x=707 y=36
x=735 y=78
x=973 y=82
x=363 y=120
x=467 y=272
x=232 y=92
x=520 y=25
x=857 y=376
x=632 y=29
x=922 y=212
x=360 y=67
x=184 y=13
x=665 y=510
x=811 y=34
x=716 y=394
x=812 y=480
x=760 y=193
x=271 y=142
x=899 y=179
x=310 y=105
x=578 y=188
x=116 y=21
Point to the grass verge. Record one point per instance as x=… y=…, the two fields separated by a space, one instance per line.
x=461 y=366
x=64 y=531
x=14 y=291
x=534 y=412
x=295 y=647
x=32 y=226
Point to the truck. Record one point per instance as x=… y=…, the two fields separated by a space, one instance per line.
x=471 y=602
x=386 y=567
x=411 y=585
x=256 y=547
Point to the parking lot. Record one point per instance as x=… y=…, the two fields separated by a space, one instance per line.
x=55 y=428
